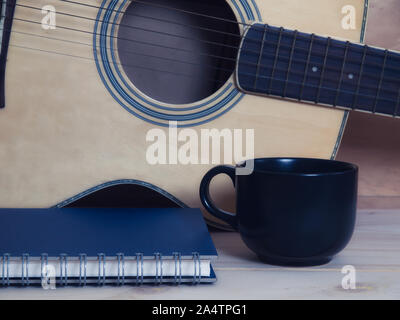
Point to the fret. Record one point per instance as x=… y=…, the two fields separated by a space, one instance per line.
x=397 y=107
x=341 y=73
x=260 y=57
x=380 y=81
x=290 y=62
x=307 y=66
x=355 y=100
x=7 y=11
x=275 y=59
x=323 y=70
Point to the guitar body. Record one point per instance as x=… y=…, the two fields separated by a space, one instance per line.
x=63 y=132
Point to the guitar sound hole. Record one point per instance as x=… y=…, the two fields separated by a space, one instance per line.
x=185 y=57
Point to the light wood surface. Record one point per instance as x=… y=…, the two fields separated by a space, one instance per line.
x=373 y=251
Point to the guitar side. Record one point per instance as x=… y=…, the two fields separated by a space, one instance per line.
x=62 y=133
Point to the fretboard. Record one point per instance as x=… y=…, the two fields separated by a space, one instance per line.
x=305 y=67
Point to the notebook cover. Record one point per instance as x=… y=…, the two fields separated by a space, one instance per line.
x=73 y=231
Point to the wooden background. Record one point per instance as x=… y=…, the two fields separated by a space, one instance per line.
x=373 y=142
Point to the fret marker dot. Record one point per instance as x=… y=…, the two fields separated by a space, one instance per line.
x=351 y=76
x=314 y=69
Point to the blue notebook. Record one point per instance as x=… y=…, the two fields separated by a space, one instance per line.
x=79 y=246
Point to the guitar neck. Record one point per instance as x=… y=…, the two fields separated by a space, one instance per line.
x=305 y=67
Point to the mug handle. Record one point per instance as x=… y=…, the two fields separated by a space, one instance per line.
x=205 y=197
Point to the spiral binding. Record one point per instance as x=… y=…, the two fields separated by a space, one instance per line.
x=44 y=260
x=102 y=277
x=63 y=278
x=63 y=271
x=178 y=259
x=139 y=259
x=82 y=260
x=197 y=268
x=121 y=261
x=25 y=269
x=159 y=268
x=5 y=266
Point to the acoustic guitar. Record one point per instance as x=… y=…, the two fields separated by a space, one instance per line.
x=85 y=83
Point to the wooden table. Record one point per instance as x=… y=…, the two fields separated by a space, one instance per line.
x=374 y=251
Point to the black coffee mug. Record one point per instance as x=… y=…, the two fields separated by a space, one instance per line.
x=291 y=211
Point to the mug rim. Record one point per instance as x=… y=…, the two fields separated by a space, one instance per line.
x=350 y=166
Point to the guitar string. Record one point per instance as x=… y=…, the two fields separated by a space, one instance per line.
x=372 y=76
x=213 y=56
x=124 y=13
x=137 y=28
x=119 y=64
x=329 y=88
x=164 y=71
x=189 y=12
x=261 y=28
x=163 y=7
x=279 y=80
x=142 y=16
x=293 y=72
x=147 y=30
x=320 y=53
